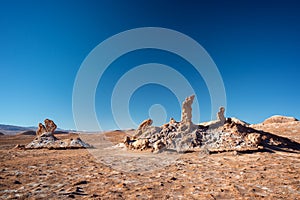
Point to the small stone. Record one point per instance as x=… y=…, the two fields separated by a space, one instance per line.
x=81 y=182
x=79 y=189
x=17 y=182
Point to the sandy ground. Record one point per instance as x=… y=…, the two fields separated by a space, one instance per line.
x=87 y=174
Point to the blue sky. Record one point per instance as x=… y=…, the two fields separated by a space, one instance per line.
x=255 y=45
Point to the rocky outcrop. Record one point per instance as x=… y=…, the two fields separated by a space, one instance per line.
x=49 y=141
x=223 y=134
x=142 y=127
x=186 y=112
x=140 y=143
x=46 y=139
x=279 y=119
x=49 y=127
x=220 y=115
x=238 y=121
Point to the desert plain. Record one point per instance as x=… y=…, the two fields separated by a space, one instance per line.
x=88 y=174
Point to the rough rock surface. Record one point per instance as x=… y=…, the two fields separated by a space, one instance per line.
x=46 y=139
x=220 y=115
x=142 y=127
x=216 y=136
x=49 y=127
x=186 y=112
x=279 y=119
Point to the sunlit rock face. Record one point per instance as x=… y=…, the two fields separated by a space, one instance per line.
x=45 y=139
x=49 y=127
x=186 y=111
x=222 y=134
x=279 y=119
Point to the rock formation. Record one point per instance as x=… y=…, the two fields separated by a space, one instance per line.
x=220 y=115
x=254 y=139
x=146 y=123
x=50 y=125
x=41 y=129
x=279 y=119
x=49 y=141
x=219 y=122
x=223 y=134
x=186 y=112
x=45 y=139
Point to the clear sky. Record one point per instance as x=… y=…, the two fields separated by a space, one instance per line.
x=255 y=45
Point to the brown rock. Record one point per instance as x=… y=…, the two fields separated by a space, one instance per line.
x=146 y=123
x=279 y=119
x=254 y=138
x=186 y=112
x=50 y=125
x=140 y=144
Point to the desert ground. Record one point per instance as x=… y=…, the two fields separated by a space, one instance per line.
x=88 y=174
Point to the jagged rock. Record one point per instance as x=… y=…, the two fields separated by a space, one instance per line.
x=238 y=121
x=142 y=127
x=223 y=134
x=41 y=129
x=216 y=123
x=49 y=127
x=136 y=143
x=158 y=146
x=46 y=139
x=186 y=112
x=126 y=140
x=150 y=131
x=254 y=138
x=220 y=115
x=140 y=144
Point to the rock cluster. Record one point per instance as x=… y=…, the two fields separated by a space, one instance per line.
x=223 y=134
x=45 y=139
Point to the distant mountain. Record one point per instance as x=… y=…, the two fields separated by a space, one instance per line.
x=12 y=130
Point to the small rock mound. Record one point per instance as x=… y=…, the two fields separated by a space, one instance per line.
x=279 y=119
x=49 y=141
